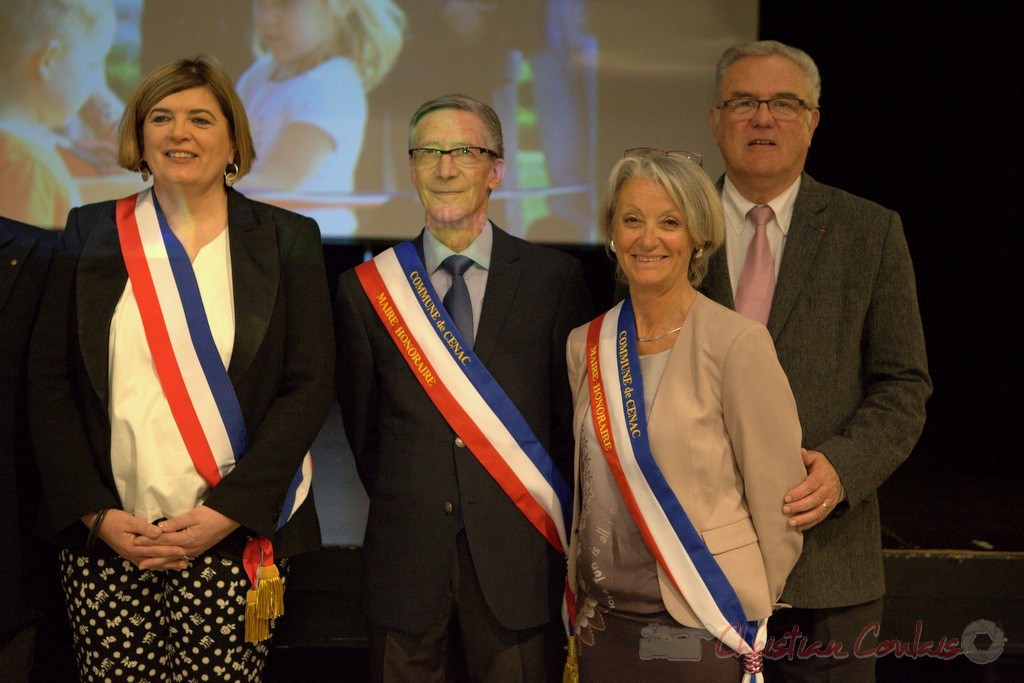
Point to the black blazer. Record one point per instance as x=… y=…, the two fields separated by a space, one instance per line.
x=413 y=466
x=25 y=256
x=281 y=367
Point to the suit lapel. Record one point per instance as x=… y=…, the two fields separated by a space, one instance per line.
x=15 y=254
x=502 y=282
x=717 y=285
x=255 y=275
x=675 y=389
x=806 y=233
x=101 y=278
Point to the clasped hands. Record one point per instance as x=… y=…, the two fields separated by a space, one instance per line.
x=169 y=544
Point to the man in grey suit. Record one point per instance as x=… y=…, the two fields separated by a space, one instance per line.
x=837 y=293
x=450 y=562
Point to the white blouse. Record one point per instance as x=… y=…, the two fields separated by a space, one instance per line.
x=152 y=469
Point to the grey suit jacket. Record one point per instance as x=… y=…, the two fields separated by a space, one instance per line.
x=421 y=478
x=281 y=368
x=847 y=329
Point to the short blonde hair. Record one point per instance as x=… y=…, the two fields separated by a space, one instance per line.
x=370 y=32
x=688 y=186
x=197 y=72
x=375 y=31
x=29 y=24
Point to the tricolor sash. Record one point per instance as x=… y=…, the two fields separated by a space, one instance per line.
x=469 y=398
x=620 y=422
x=195 y=381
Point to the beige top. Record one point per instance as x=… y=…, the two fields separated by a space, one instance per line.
x=723 y=429
x=615 y=566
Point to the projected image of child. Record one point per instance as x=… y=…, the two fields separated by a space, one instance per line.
x=306 y=99
x=51 y=62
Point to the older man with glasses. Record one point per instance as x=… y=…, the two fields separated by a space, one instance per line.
x=830 y=275
x=453 y=387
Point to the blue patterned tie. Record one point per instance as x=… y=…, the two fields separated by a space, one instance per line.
x=456 y=301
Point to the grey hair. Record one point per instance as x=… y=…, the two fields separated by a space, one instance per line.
x=765 y=48
x=688 y=186
x=492 y=123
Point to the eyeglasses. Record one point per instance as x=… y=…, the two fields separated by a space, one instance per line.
x=781 y=108
x=692 y=156
x=461 y=156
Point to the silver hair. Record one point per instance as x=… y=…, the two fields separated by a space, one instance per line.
x=764 y=48
x=688 y=186
x=492 y=124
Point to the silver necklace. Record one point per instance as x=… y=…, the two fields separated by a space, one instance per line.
x=660 y=336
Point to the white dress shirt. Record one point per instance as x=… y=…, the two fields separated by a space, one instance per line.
x=434 y=253
x=739 y=229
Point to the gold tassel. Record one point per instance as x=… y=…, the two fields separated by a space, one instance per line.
x=271 y=593
x=571 y=674
x=257 y=628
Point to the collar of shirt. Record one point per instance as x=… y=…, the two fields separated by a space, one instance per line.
x=736 y=207
x=476 y=277
x=434 y=252
x=739 y=231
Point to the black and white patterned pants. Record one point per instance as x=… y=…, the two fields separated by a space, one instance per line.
x=143 y=626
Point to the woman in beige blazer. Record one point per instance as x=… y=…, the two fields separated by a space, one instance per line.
x=722 y=427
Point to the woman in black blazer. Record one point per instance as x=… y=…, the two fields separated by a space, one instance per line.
x=179 y=374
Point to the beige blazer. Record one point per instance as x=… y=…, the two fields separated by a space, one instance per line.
x=724 y=431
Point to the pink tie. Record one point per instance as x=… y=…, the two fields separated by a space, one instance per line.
x=757 y=281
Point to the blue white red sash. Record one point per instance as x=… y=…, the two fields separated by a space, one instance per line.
x=620 y=422
x=192 y=375
x=463 y=390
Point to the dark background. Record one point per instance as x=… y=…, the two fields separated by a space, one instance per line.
x=922 y=112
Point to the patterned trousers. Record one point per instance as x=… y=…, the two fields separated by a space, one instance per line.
x=146 y=626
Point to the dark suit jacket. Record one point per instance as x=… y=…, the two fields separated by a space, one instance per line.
x=847 y=330
x=25 y=256
x=281 y=367
x=412 y=464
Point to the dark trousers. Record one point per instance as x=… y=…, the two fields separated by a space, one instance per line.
x=466 y=643
x=804 y=644
x=16 y=653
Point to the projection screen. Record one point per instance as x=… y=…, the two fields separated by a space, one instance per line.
x=574 y=82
